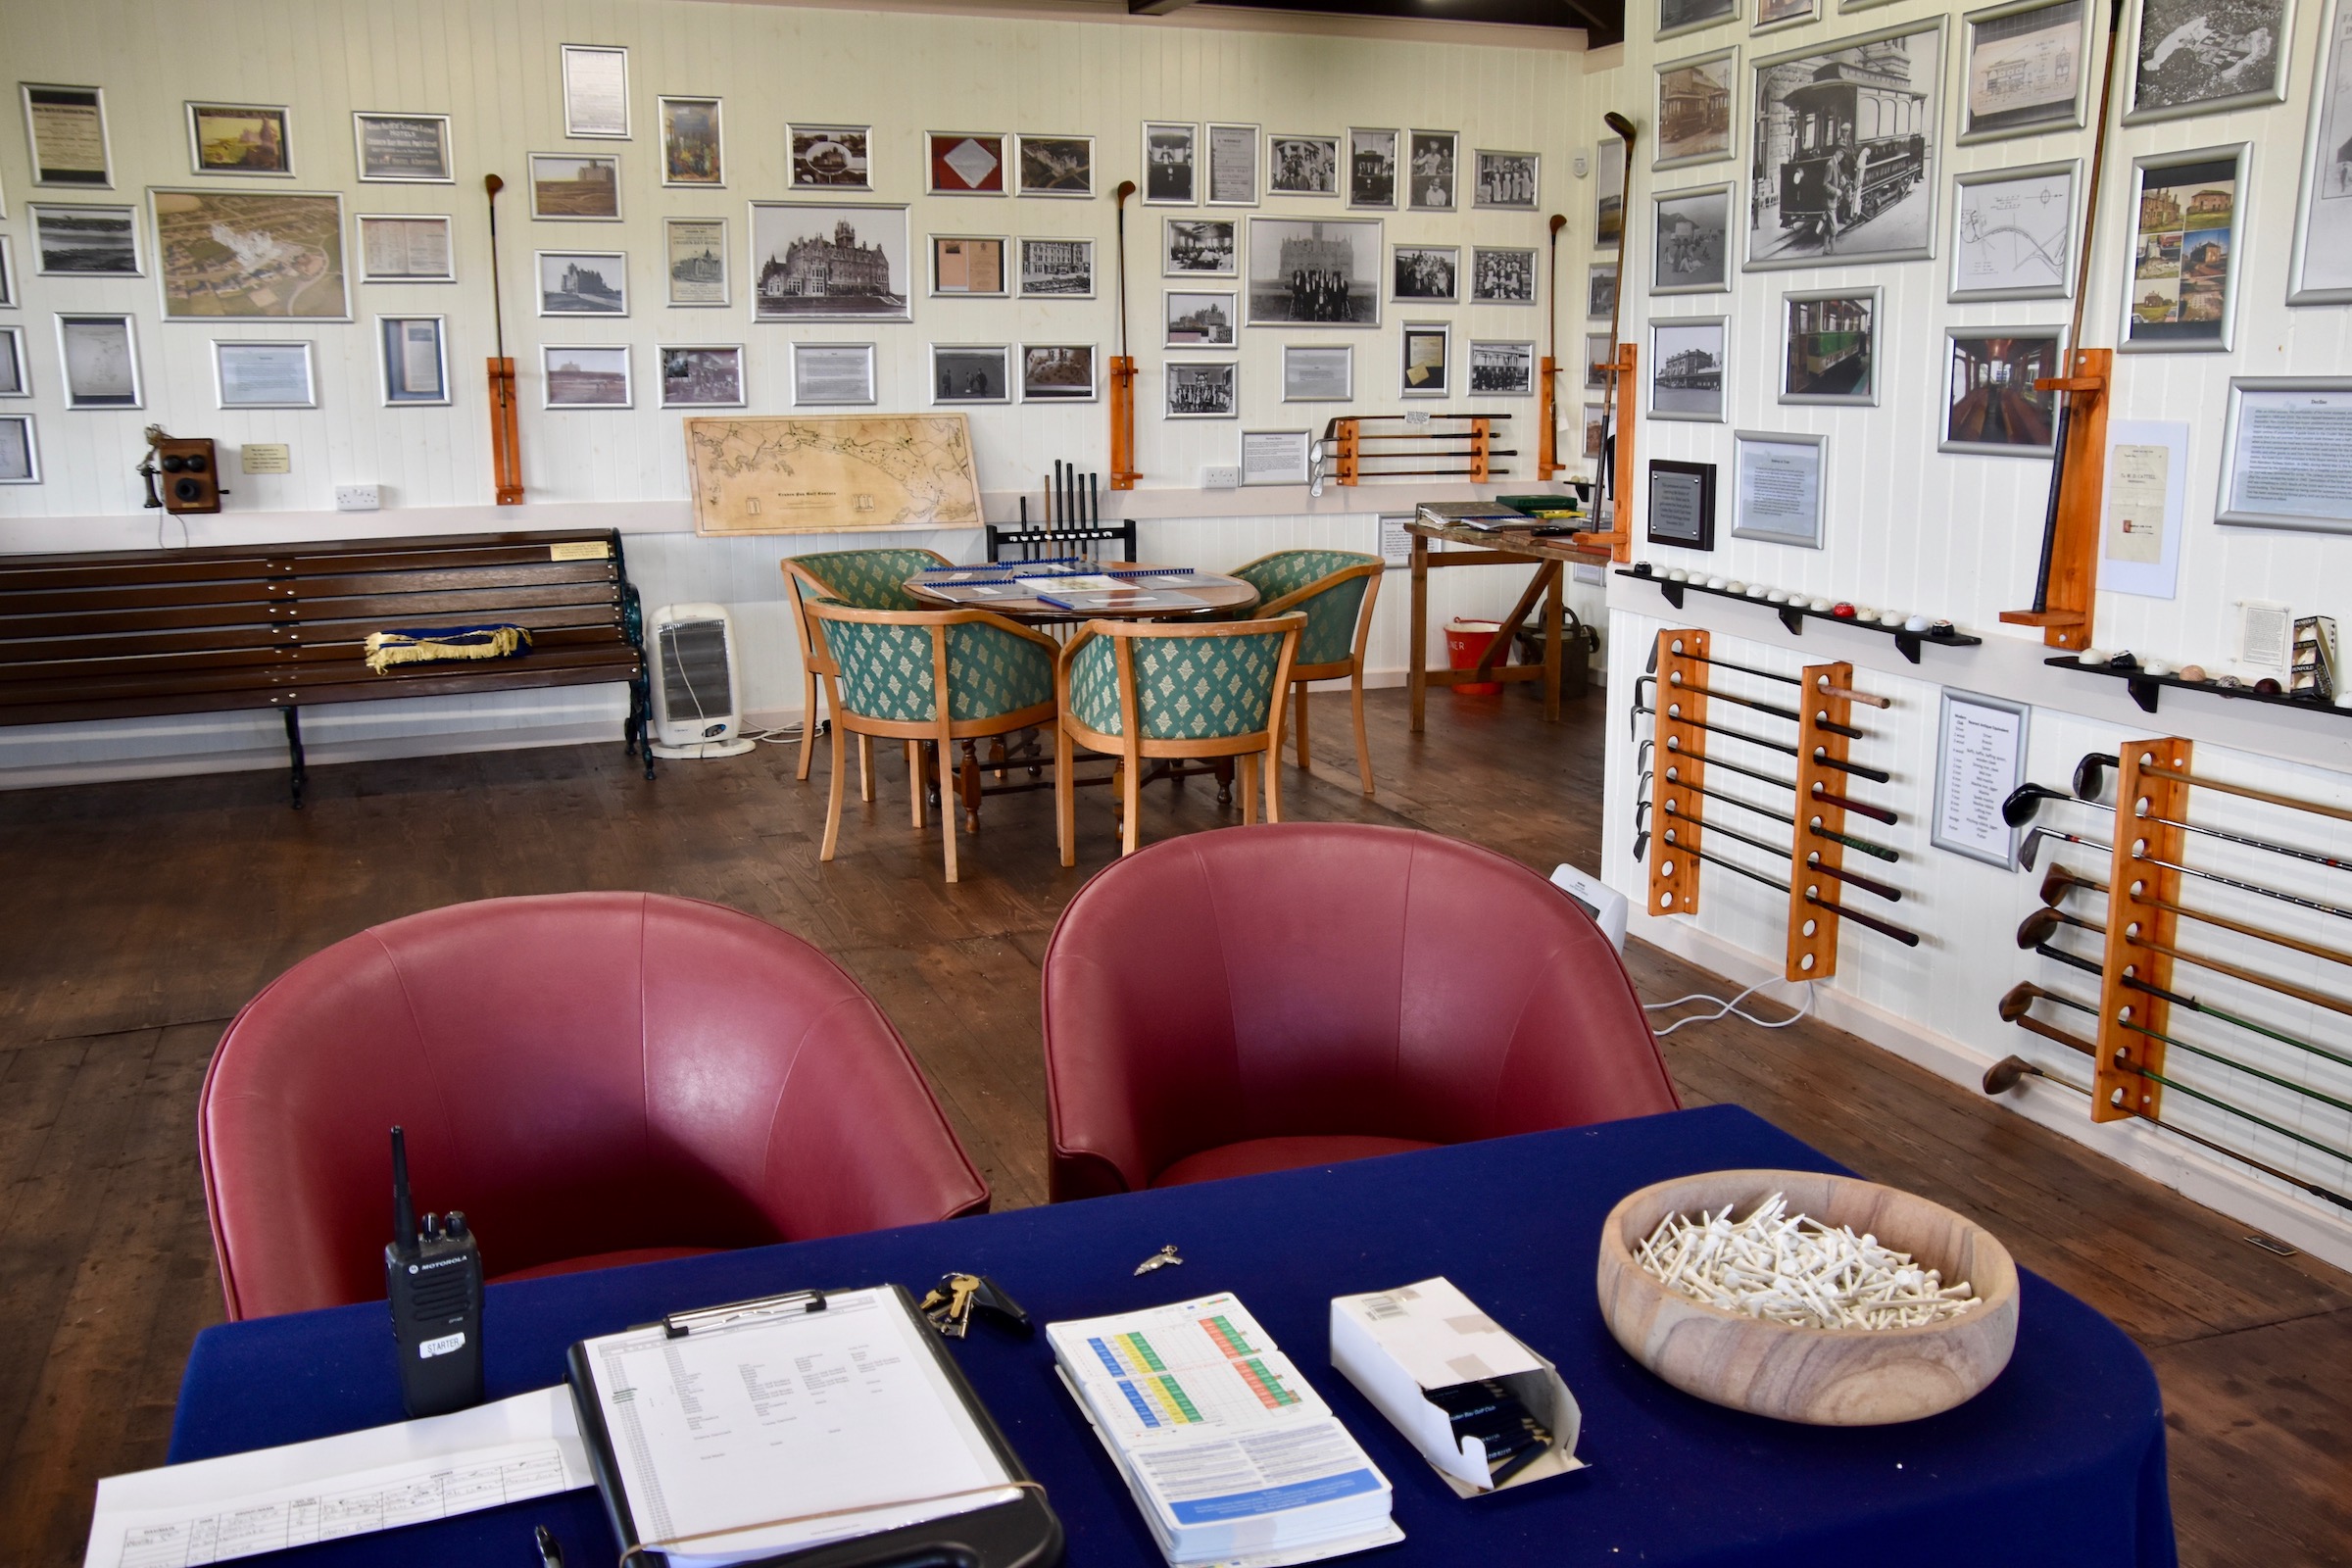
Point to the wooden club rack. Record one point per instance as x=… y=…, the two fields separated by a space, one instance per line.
x=1348 y=435
x=2073 y=591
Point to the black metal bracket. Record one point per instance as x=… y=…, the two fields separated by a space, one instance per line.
x=298 y=774
x=2147 y=690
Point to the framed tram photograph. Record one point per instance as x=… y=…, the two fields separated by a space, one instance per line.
x=2201 y=56
x=1989 y=402
x=1695 y=109
x=2023 y=68
x=1693 y=241
x=1830 y=346
x=2320 y=272
x=2013 y=233
x=1686 y=367
x=1845 y=155
x=1371 y=167
x=2182 y=294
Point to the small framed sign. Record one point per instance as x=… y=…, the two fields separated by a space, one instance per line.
x=1681 y=504
x=1979 y=758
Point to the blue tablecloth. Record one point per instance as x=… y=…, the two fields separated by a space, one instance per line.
x=2061 y=1461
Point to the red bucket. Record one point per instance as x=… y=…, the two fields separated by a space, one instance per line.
x=1465 y=641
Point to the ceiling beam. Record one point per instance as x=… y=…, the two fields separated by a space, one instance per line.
x=1155 y=8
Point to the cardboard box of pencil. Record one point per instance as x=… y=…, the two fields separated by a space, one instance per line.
x=1485 y=1410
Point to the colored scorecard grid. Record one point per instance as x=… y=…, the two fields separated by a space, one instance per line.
x=1159 y=1398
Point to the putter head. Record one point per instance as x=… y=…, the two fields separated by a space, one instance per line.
x=2026 y=800
x=2037 y=928
x=2027 y=850
x=2057 y=882
x=2006 y=1073
x=2090 y=775
x=2017 y=1001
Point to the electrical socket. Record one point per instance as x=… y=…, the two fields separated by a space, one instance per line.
x=1218 y=476
x=357 y=498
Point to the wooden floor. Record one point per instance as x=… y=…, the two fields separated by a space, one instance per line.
x=139 y=916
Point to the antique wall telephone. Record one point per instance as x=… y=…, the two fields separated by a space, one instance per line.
x=189 y=467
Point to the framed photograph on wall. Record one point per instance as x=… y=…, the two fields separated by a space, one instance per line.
x=1057 y=372
x=693 y=142
x=263 y=375
x=1299 y=165
x=240 y=139
x=1693 y=234
x=1776 y=487
x=1313 y=272
x=1979 y=760
x=1200 y=247
x=80 y=241
x=16 y=377
x=695 y=254
x=832 y=374
x=1696 y=101
x=2013 y=233
x=2181 y=292
x=596 y=93
x=405 y=248
x=7 y=272
x=1507 y=181
x=1318 y=372
x=814 y=262
x=1681 y=504
x=701 y=376
x=402 y=149
x=963 y=162
x=972 y=372
x=1773 y=15
x=1989 y=402
x=1686 y=367
x=1198 y=320
x=1830 y=346
x=2199 y=56
x=1678 y=16
x=413 y=355
x=828 y=157
x=1596 y=423
x=100 y=358
x=1232 y=157
x=583 y=282
x=586 y=376
x=1503 y=369
x=1371 y=168
x=1056 y=165
x=1502 y=274
x=1426 y=368
x=1057 y=269
x=1432 y=181
x=20 y=452
x=968 y=266
x=2023 y=72
x=1609 y=191
x=1202 y=389
x=287 y=262
x=1598 y=351
x=1171 y=163
x=575 y=186
x=1426 y=273
x=2319 y=272
x=1600 y=290
x=1809 y=150
x=65 y=135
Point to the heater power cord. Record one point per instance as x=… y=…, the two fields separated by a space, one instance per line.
x=1730 y=1009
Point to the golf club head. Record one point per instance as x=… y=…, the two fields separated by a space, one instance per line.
x=2017 y=1001
x=2037 y=928
x=2027 y=850
x=1652 y=681
x=2006 y=1073
x=1650 y=666
x=2058 y=882
x=2090 y=775
x=1559 y=221
x=1642 y=755
x=2026 y=800
x=1618 y=124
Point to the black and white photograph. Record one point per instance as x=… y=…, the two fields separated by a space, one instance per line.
x=2321 y=270
x=596 y=91
x=828 y=157
x=583 y=377
x=1609 y=191
x=240 y=139
x=1199 y=320
x=2023 y=72
x=1829 y=347
x=412 y=353
x=1432 y=165
x=1314 y=272
x=832 y=374
x=402 y=149
x=1600 y=290
x=65 y=131
x=565 y=187
x=1502 y=274
x=1318 y=372
x=1057 y=372
x=1776 y=13
x=1202 y=389
x=1057 y=269
x=1200 y=247
x=1844 y=156
x=406 y=248
x=1686 y=369
x=1429 y=273
x=968 y=266
x=1503 y=369
x=2201 y=56
x=1231 y=151
x=697 y=253
x=1427 y=368
x=1695 y=109
x=583 y=283
x=975 y=373
x=85 y=241
x=1507 y=181
x=1990 y=403
x=1371 y=168
x=16 y=381
x=20 y=452
x=1691 y=229
x=708 y=377
x=263 y=375
x=828 y=262
x=1688 y=15
x=1056 y=165
x=1598 y=351
x=1302 y=165
x=1171 y=163
x=100 y=358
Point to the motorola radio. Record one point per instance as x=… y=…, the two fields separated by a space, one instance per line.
x=433 y=1275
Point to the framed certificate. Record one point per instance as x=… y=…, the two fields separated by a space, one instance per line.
x=1681 y=504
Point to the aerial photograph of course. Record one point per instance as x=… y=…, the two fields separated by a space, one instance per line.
x=276 y=254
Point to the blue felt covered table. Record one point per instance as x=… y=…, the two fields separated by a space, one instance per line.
x=2061 y=1461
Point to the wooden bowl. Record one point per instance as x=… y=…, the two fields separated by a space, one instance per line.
x=1824 y=1376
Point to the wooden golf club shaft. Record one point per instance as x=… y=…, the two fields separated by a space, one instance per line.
x=1866 y=698
x=2058 y=879
x=1774 y=709
x=1879 y=851
x=1877 y=814
x=2034 y=838
x=2133 y=982
x=1871 y=922
x=2018 y=998
x=1610 y=391
x=2090 y=782
x=2088 y=775
x=1875 y=775
x=1866 y=884
x=2038 y=927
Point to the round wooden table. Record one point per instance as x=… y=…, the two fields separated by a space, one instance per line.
x=1217 y=594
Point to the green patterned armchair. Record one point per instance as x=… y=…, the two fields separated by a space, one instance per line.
x=1336 y=589
x=866 y=579
x=1147 y=689
x=885 y=670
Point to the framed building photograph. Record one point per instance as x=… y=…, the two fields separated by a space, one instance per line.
x=1600 y=291
x=583 y=282
x=2181 y=295
x=101 y=358
x=1432 y=182
x=701 y=376
x=1502 y=274
x=693 y=146
x=832 y=374
x=959 y=163
x=1199 y=320
x=1056 y=165
x=596 y=93
x=1677 y=17
x=1829 y=347
x=586 y=376
x=968 y=266
x=2024 y=71
x=65 y=135
x=1057 y=372
x=1989 y=402
x=1695 y=108
x=1845 y=159
x=828 y=157
x=1503 y=369
x=413 y=355
x=1776 y=487
x=402 y=149
x=20 y=452
x=238 y=139
x=2202 y=56
x=250 y=253
x=1507 y=181
x=400 y=248
x=1314 y=272
x=263 y=375
x=1598 y=350
x=85 y=241
x=2287 y=442
x=1682 y=503
x=1057 y=269
x=812 y=263
x=1609 y=191
x=1318 y=372
x=1427 y=366
x=1202 y=389
x=1276 y=457
x=573 y=186
x=1429 y=273
x=1200 y=247
x=1772 y=14
x=1686 y=369
x=2013 y=233
x=1171 y=164
x=972 y=372
x=1692 y=239
x=2319 y=272
x=16 y=377
x=1371 y=168
x=695 y=257
x=1301 y=165
x=1232 y=163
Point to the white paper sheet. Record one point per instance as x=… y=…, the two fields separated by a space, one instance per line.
x=2147 y=480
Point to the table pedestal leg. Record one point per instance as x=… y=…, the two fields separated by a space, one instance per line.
x=1554 y=614
x=1417 y=664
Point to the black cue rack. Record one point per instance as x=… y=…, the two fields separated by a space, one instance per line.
x=1071 y=515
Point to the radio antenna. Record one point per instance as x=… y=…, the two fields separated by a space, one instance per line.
x=404 y=1208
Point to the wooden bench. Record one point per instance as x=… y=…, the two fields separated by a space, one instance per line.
x=133 y=633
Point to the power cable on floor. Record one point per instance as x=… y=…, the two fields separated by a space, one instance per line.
x=1729 y=1008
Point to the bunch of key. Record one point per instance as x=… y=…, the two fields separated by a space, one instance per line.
x=1492 y=1414
x=950 y=1304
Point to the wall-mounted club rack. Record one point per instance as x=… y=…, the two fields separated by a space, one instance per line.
x=1793 y=616
x=2146 y=689
x=1467 y=453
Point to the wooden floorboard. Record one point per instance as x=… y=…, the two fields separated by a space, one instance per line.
x=143 y=914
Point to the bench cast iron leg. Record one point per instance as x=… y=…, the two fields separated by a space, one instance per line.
x=640 y=719
x=300 y=775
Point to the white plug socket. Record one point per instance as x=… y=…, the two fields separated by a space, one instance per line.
x=357 y=498
x=1219 y=476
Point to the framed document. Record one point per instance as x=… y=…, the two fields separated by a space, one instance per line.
x=101 y=356
x=2181 y=292
x=2141 y=507
x=2013 y=233
x=696 y=252
x=968 y=266
x=831 y=374
x=1274 y=457
x=1776 y=491
x=65 y=131
x=1428 y=368
x=1231 y=159
x=415 y=363
x=263 y=375
x=402 y=149
x=2287 y=454
x=1681 y=504
x=1979 y=758
x=404 y=249
x=596 y=91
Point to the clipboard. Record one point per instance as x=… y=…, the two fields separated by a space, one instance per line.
x=1023 y=1533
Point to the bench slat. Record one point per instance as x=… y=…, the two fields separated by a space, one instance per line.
x=151 y=704
x=102 y=643
x=587 y=577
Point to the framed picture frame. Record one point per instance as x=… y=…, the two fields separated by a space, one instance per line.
x=240 y=139
x=1678 y=16
x=1230 y=147
x=968 y=266
x=289 y=264
x=1425 y=368
x=963 y=162
x=1313 y=272
x=828 y=157
x=582 y=282
x=1302 y=163
x=100 y=352
x=16 y=372
x=596 y=93
x=2023 y=69
x=1817 y=176
x=1507 y=181
x=248 y=374
x=700 y=376
x=1686 y=379
x=65 y=137
x=2319 y=268
x=1830 y=346
x=1057 y=268
x=1502 y=367
x=2183 y=58
x=832 y=375
x=2013 y=232
x=1198 y=319
x=1502 y=274
x=411 y=359
x=2180 y=295
x=8 y=273
x=1433 y=171
x=694 y=155
x=1598 y=351
x=972 y=372
x=830 y=261
x=1057 y=372
x=1681 y=504
x=393 y=149
x=1595 y=429
x=1055 y=165
x=694 y=255
x=85 y=241
x=1600 y=290
x=586 y=376
x=1989 y=403
x=576 y=187
x=1774 y=15
x=1275 y=457
x=2273 y=428
x=1425 y=274
x=1690 y=240
x=1202 y=389
x=1698 y=101
x=1979 y=760
x=1318 y=372
x=1171 y=164
x=1201 y=247
x=405 y=248
x=1776 y=487
x=1609 y=191
x=1371 y=169
x=19 y=451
